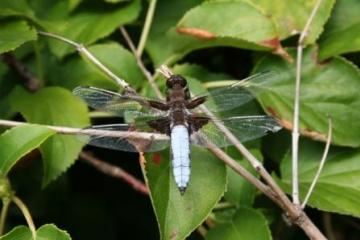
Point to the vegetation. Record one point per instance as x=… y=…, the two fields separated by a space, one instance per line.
x=211 y=43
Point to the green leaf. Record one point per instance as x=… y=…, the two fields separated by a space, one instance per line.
x=291 y=16
x=15 y=8
x=19 y=141
x=76 y=72
x=18 y=233
x=242 y=227
x=51 y=232
x=88 y=26
x=45 y=232
x=15 y=33
x=179 y=215
x=236 y=16
x=329 y=88
x=252 y=24
x=338 y=187
x=168 y=44
x=342 y=31
x=53 y=106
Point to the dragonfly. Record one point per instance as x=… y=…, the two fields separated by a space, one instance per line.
x=178 y=119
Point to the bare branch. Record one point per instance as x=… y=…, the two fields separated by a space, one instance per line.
x=92 y=132
x=321 y=165
x=30 y=81
x=83 y=50
x=115 y=171
x=141 y=65
x=295 y=133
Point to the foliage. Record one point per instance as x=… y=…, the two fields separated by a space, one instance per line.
x=210 y=43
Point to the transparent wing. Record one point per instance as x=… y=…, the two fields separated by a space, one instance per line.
x=245 y=128
x=118 y=104
x=239 y=93
x=131 y=141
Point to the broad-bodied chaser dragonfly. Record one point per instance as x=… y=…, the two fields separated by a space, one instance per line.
x=178 y=118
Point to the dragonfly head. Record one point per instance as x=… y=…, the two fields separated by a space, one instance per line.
x=176 y=81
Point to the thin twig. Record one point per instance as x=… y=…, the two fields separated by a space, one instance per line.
x=321 y=165
x=115 y=171
x=4 y=212
x=224 y=205
x=83 y=50
x=140 y=63
x=92 y=132
x=30 y=81
x=146 y=29
x=295 y=133
x=25 y=211
x=202 y=230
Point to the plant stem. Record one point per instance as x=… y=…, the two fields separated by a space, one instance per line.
x=146 y=29
x=30 y=81
x=202 y=230
x=25 y=211
x=83 y=50
x=4 y=212
x=92 y=132
x=295 y=133
x=321 y=165
x=141 y=64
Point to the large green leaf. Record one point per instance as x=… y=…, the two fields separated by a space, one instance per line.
x=76 y=71
x=45 y=232
x=169 y=43
x=53 y=106
x=243 y=21
x=19 y=141
x=252 y=24
x=15 y=33
x=338 y=188
x=242 y=226
x=88 y=26
x=179 y=215
x=342 y=33
x=329 y=88
x=291 y=16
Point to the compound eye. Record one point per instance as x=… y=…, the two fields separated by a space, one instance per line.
x=183 y=83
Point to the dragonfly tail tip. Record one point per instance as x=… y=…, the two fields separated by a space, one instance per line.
x=182 y=190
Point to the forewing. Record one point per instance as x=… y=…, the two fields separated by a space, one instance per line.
x=244 y=128
x=237 y=94
x=130 y=140
x=118 y=104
